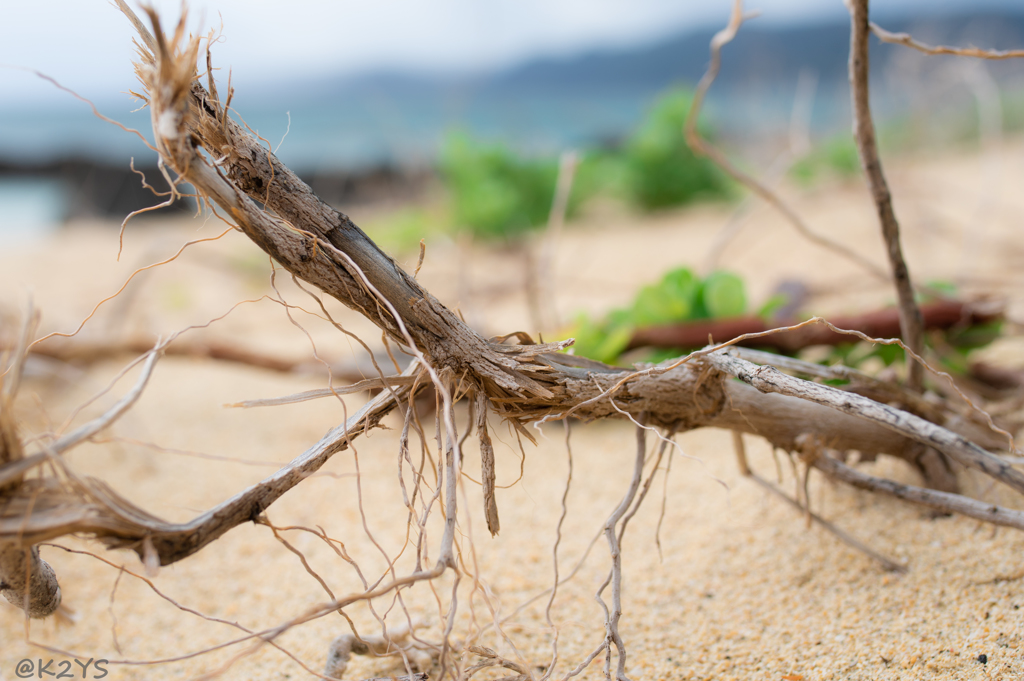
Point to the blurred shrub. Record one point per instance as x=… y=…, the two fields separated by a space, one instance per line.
x=600 y=172
x=495 y=193
x=837 y=157
x=661 y=170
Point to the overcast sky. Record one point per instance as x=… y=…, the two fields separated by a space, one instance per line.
x=86 y=44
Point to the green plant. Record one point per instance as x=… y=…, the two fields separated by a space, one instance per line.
x=660 y=169
x=678 y=297
x=600 y=172
x=495 y=193
x=837 y=157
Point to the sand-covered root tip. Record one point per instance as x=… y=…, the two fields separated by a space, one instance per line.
x=420 y=657
x=27 y=581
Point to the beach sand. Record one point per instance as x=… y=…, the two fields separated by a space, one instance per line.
x=721 y=579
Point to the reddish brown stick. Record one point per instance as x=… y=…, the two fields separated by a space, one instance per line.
x=945 y=314
x=87 y=352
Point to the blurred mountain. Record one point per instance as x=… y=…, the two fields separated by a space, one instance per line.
x=331 y=130
x=597 y=97
x=759 y=54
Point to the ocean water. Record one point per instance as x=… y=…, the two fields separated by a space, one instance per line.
x=389 y=126
x=394 y=127
x=30 y=208
x=337 y=134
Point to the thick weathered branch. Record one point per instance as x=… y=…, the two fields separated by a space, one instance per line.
x=864 y=132
x=770 y=380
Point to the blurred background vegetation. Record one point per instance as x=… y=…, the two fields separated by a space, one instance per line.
x=496 y=194
x=491 y=135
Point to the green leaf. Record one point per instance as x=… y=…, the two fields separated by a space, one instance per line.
x=974 y=337
x=889 y=354
x=682 y=285
x=947 y=288
x=724 y=295
x=772 y=305
x=601 y=342
x=656 y=305
x=613 y=345
x=493 y=192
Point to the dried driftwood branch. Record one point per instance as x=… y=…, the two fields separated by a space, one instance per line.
x=523 y=383
x=864 y=133
x=26 y=580
x=770 y=380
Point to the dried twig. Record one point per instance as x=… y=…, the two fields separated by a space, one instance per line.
x=799 y=145
x=365 y=384
x=487 y=466
x=111 y=415
x=864 y=132
x=84 y=351
x=545 y=261
x=906 y=39
x=612 y=534
x=744 y=466
x=703 y=147
x=938 y=500
x=26 y=580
